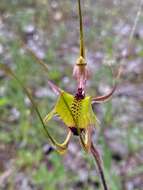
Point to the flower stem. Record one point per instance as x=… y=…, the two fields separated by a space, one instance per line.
x=82 y=48
x=98 y=162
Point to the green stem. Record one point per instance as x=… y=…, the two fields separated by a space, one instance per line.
x=82 y=48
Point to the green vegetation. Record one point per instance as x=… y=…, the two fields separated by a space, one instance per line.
x=50 y=28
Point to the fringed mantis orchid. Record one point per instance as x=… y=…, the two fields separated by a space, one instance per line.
x=74 y=110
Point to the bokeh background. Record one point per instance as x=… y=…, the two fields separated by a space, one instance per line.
x=50 y=29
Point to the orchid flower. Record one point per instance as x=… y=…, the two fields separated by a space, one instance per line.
x=74 y=110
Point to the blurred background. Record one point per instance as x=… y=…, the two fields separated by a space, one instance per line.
x=50 y=29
